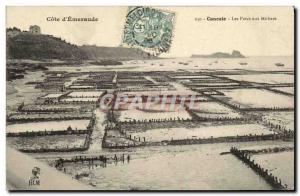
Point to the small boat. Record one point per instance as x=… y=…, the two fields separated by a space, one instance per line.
x=279 y=64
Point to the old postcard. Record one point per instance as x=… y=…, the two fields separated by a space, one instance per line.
x=150 y=98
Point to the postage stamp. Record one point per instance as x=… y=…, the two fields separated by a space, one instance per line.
x=149 y=29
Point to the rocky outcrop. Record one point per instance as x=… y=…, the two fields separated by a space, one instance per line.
x=234 y=54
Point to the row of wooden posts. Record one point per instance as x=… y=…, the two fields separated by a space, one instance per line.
x=91 y=160
x=274 y=181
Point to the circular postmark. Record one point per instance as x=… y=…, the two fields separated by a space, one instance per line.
x=149 y=29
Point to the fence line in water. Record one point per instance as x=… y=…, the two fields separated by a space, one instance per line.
x=268 y=176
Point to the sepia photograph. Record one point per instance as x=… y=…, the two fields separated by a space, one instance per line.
x=150 y=98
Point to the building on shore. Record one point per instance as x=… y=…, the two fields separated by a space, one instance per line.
x=34 y=29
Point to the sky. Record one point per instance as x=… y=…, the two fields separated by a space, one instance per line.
x=250 y=37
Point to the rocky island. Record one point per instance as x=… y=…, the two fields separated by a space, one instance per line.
x=234 y=54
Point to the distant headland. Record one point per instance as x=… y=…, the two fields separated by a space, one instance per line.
x=33 y=44
x=234 y=54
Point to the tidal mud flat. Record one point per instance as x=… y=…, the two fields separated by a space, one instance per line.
x=230 y=111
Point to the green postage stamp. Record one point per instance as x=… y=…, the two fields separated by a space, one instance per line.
x=149 y=29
